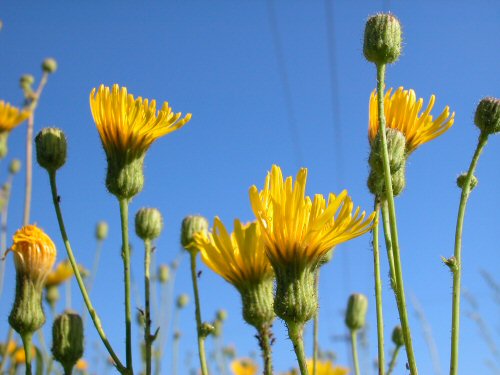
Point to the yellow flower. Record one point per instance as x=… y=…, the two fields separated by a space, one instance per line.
x=403 y=113
x=82 y=365
x=10 y=116
x=128 y=125
x=20 y=355
x=296 y=228
x=238 y=257
x=244 y=366
x=34 y=253
x=62 y=273
x=326 y=368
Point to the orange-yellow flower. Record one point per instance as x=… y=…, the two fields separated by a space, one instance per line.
x=129 y=125
x=11 y=117
x=298 y=228
x=326 y=368
x=403 y=112
x=244 y=366
x=62 y=273
x=34 y=253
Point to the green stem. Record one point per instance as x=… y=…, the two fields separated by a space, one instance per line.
x=399 y=292
x=29 y=169
x=28 y=346
x=126 y=272
x=201 y=339
x=4 y=353
x=295 y=332
x=457 y=269
x=354 y=348
x=378 y=292
x=148 y=339
x=265 y=346
x=93 y=314
x=3 y=234
x=175 y=354
x=394 y=357
x=315 y=329
x=388 y=245
x=95 y=265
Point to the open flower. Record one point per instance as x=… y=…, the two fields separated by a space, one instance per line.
x=62 y=273
x=244 y=366
x=403 y=112
x=10 y=116
x=296 y=228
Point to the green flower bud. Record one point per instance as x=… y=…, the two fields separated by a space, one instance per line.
x=67 y=339
x=52 y=295
x=101 y=230
x=4 y=149
x=221 y=315
x=382 y=40
x=487 y=117
x=26 y=81
x=49 y=65
x=15 y=166
x=461 y=181
x=163 y=273
x=229 y=352
x=191 y=225
x=206 y=329
x=397 y=336
x=51 y=148
x=148 y=223
x=355 y=316
x=125 y=178
x=257 y=301
x=217 y=328
x=182 y=301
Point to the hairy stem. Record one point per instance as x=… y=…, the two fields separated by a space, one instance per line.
x=295 y=332
x=378 y=292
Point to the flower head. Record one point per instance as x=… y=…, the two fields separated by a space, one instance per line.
x=244 y=366
x=129 y=125
x=62 y=273
x=34 y=253
x=298 y=228
x=82 y=365
x=10 y=116
x=238 y=257
x=326 y=368
x=403 y=113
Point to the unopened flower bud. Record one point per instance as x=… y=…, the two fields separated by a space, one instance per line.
x=67 y=339
x=101 y=230
x=191 y=225
x=221 y=315
x=148 y=223
x=355 y=316
x=52 y=295
x=49 y=65
x=15 y=166
x=487 y=117
x=397 y=336
x=26 y=81
x=382 y=40
x=257 y=301
x=461 y=181
x=206 y=329
x=163 y=273
x=51 y=148
x=229 y=352
x=182 y=301
x=141 y=320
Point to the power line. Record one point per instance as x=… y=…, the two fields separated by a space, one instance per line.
x=280 y=59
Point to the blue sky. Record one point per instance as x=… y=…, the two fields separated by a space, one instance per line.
x=257 y=77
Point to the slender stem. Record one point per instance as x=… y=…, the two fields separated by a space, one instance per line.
x=354 y=348
x=399 y=292
x=43 y=346
x=29 y=169
x=378 y=292
x=28 y=347
x=388 y=245
x=175 y=342
x=95 y=265
x=265 y=346
x=394 y=357
x=126 y=272
x=201 y=339
x=315 y=329
x=457 y=269
x=4 y=353
x=3 y=233
x=93 y=314
x=295 y=332
x=148 y=339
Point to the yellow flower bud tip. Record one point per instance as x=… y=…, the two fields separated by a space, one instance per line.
x=221 y=315
x=34 y=253
x=49 y=65
x=397 y=336
x=182 y=301
x=67 y=339
x=82 y=365
x=462 y=178
x=382 y=39
x=190 y=226
x=11 y=117
x=487 y=116
x=148 y=223
x=101 y=231
x=51 y=149
x=244 y=366
x=357 y=307
x=15 y=166
x=163 y=273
